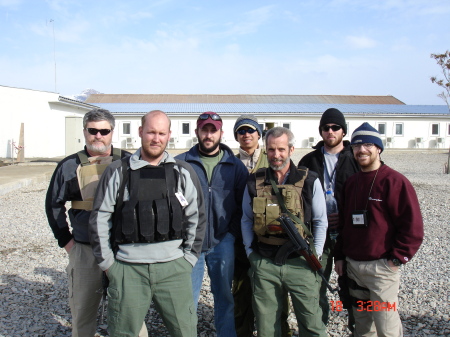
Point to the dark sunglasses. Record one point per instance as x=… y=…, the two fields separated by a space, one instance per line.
x=214 y=117
x=327 y=128
x=94 y=131
x=244 y=131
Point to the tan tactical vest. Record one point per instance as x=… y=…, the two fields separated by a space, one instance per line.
x=88 y=173
x=266 y=210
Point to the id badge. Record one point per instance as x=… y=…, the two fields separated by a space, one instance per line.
x=181 y=199
x=360 y=218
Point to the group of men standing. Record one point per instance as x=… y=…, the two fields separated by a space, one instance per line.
x=152 y=223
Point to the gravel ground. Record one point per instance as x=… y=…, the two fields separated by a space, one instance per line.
x=33 y=284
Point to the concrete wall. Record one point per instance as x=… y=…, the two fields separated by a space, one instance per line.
x=44 y=122
x=304 y=128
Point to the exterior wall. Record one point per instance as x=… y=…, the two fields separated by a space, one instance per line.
x=44 y=122
x=305 y=129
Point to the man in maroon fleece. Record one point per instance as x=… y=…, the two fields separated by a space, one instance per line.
x=381 y=228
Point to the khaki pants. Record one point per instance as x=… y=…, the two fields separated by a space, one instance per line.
x=85 y=291
x=383 y=285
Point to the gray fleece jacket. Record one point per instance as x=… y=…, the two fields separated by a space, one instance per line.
x=100 y=222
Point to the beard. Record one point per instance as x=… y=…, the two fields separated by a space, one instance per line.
x=280 y=167
x=98 y=147
x=151 y=153
x=208 y=150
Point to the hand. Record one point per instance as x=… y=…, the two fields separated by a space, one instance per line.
x=392 y=265
x=69 y=246
x=339 y=267
x=333 y=220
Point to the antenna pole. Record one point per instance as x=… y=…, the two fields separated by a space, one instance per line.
x=54 y=49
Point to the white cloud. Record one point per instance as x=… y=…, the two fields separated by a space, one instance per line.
x=10 y=3
x=360 y=42
x=251 y=21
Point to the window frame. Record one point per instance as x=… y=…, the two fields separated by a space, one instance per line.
x=378 y=128
x=182 y=128
x=395 y=129
x=438 y=129
x=129 y=127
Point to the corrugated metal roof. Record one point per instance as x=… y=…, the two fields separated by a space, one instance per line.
x=130 y=108
x=255 y=99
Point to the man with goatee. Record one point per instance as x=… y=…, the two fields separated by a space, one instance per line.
x=380 y=229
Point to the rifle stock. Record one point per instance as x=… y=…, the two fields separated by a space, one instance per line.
x=302 y=247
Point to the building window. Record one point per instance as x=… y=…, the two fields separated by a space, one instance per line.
x=287 y=125
x=435 y=129
x=399 y=129
x=382 y=129
x=126 y=128
x=185 y=128
x=448 y=129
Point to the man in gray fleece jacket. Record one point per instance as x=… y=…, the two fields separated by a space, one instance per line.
x=146 y=230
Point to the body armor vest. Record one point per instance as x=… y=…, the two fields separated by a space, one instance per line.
x=266 y=210
x=153 y=212
x=88 y=175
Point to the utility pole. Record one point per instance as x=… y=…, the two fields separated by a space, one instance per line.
x=54 y=49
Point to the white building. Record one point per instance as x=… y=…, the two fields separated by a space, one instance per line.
x=401 y=126
x=45 y=117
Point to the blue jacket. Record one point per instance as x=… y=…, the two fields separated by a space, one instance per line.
x=223 y=196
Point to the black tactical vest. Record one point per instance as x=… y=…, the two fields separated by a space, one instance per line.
x=153 y=212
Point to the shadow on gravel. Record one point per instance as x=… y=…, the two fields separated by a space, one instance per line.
x=30 y=308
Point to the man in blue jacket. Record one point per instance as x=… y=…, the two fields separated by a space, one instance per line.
x=223 y=178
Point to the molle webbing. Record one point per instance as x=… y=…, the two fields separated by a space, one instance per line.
x=153 y=212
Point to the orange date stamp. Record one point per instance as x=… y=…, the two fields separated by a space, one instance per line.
x=370 y=306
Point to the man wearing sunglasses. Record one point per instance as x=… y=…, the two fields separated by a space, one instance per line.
x=248 y=132
x=223 y=178
x=381 y=228
x=75 y=179
x=333 y=160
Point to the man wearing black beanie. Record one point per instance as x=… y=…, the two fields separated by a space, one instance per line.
x=333 y=160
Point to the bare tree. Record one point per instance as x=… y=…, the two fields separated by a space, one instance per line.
x=443 y=60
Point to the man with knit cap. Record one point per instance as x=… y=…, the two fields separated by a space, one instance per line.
x=333 y=160
x=381 y=229
x=247 y=131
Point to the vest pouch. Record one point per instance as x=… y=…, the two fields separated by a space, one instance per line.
x=162 y=216
x=129 y=223
x=272 y=214
x=289 y=199
x=146 y=221
x=176 y=231
x=259 y=209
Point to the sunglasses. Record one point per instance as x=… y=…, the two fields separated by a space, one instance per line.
x=368 y=146
x=244 y=131
x=94 y=131
x=214 y=117
x=327 y=128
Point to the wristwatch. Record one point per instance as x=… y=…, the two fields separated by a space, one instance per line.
x=396 y=262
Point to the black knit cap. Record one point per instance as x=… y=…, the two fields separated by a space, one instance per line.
x=333 y=116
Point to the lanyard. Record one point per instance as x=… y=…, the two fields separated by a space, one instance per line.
x=325 y=167
x=370 y=191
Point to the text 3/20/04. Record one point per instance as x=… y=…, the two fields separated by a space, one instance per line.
x=366 y=306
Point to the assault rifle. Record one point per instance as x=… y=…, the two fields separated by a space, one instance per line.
x=301 y=246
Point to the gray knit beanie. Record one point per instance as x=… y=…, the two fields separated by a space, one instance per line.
x=247 y=120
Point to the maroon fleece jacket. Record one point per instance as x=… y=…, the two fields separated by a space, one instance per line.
x=395 y=227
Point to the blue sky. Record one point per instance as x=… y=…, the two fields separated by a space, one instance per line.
x=340 y=47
